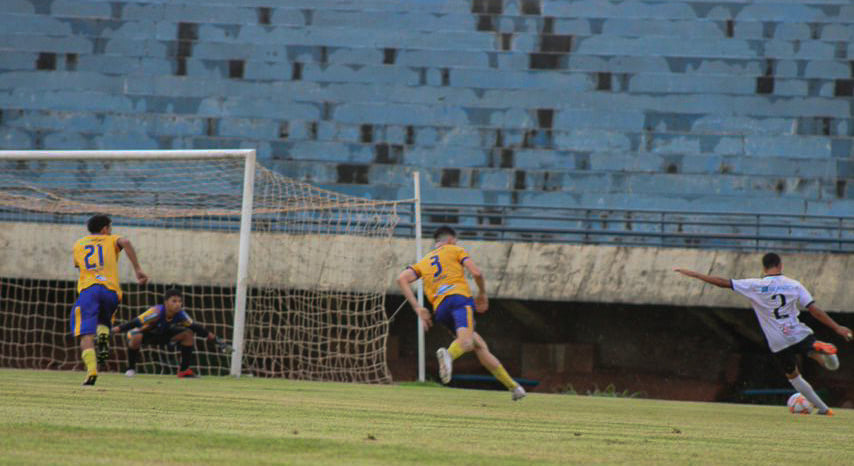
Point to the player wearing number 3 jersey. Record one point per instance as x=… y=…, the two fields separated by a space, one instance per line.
x=97 y=258
x=443 y=273
x=776 y=300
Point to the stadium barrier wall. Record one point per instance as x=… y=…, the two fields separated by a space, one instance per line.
x=526 y=271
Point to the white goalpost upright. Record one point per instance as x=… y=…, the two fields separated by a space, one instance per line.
x=271 y=262
x=243 y=264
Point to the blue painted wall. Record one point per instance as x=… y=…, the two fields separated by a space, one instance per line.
x=695 y=105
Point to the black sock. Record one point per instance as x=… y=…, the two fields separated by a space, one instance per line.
x=133 y=357
x=186 y=357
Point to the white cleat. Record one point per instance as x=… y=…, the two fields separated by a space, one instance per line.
x=446 y=365
x=130 y=373
x=518 y=393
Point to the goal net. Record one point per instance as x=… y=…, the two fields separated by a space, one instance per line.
x=317 y=271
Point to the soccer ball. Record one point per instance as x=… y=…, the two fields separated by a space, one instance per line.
x=799 y=404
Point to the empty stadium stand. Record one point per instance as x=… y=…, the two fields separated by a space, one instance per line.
x=726 y=106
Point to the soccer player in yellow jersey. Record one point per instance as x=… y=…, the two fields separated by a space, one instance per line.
x=443 y=271
x=97 y=258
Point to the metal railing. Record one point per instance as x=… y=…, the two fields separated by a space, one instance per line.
x=653 y=228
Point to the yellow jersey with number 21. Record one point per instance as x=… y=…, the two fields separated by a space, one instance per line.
x=97 y=258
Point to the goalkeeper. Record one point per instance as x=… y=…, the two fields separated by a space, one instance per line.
x=161 y=325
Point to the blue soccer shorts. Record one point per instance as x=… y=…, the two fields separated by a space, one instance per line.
x=456 y=312
x=95 y=305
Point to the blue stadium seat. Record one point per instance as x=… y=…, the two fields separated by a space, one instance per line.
x=16 y=61
x=692 y=84
x=792 y=31
x=80 y=9
x=635 y=27
x=787 y=146
x=783 y=12
x=205 y=13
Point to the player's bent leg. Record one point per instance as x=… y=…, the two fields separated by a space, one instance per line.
x=134 y=340
x=824 y=348
x=103 y=343
x=828 y=361
x=84 y=320
x=106 y=302
x=463 y=322
x=493 y=365
x=185 y=339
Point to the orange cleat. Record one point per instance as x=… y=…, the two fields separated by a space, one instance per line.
x=829 y=412
x=824 y=348
x=187 y=374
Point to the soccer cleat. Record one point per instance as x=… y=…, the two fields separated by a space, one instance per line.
x=90 y=380
x=824 y=348
x=102 y=348
x=829 y=412
x=518 y=393
x=446 y=365
x=130 y=373
x=187 y=374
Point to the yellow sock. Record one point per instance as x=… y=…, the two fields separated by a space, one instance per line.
x=90 y=361
x=100 y=329
x=455 y=350
x=504 y=377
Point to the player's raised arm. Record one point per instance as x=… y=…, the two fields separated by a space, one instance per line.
x=404 y=281
x=824 y=318
x=711 y=279
x=481 y=302
x=125 y=244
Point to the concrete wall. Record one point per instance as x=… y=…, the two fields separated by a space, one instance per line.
x=527 y=271
x=33 y=250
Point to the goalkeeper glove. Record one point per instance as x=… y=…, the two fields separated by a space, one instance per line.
x=223 y=346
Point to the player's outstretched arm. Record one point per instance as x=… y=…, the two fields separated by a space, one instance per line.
x=138 y=321
x=125 y=244
x=404 y=280
x=481 y=302
x=822 y=317
x=134 y=323
x=711 y=279
x=201 y=331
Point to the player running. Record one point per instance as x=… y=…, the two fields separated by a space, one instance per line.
x=97 y=258
x=161 y=325
x=443 y=272
x=775 y=299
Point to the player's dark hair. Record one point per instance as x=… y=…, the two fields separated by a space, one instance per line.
x=97 y=223
x=172 y=292
x=771 y=260
x=444 y=231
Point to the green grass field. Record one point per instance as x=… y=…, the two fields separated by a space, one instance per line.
x=46 y=418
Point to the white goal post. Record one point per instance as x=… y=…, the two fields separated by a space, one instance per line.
x=308 y=319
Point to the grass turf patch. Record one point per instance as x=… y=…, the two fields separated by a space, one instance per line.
x=46 y=417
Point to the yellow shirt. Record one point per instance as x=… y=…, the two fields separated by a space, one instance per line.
x=97 y=258
x=443 y=273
